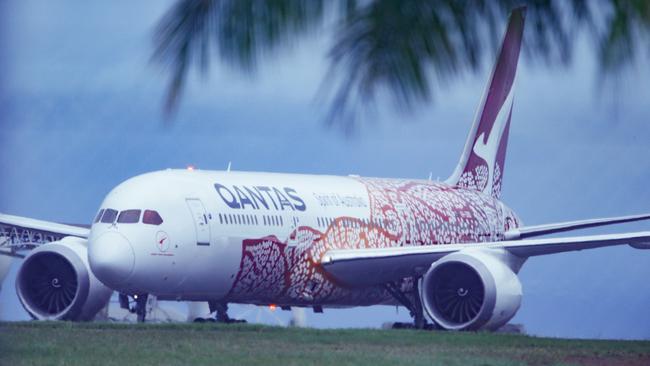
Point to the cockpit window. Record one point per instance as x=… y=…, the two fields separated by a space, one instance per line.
x=129 y=217
x=151 y=217
x=99 y=215
x=109 y=216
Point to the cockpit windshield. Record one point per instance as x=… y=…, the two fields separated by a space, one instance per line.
x=99 y=215
x=109 y=216
x=151 y=217
x=131 y=216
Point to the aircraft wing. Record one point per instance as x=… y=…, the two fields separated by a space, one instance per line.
x=377 y=266
x=23 y=233
x=537 y=230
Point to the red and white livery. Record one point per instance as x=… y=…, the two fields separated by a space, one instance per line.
x=448 y=251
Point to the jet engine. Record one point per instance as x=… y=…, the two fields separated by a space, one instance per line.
x=472 y=290
x=55 y=282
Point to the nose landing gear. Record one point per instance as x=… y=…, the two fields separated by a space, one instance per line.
x=136 y=304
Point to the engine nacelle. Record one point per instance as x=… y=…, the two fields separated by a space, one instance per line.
x=472 y=290
x=56 y=283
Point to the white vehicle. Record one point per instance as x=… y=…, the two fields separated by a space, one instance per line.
x=448 y=251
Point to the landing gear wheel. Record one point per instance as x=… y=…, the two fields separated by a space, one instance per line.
x=139 y=305
x=222 y=313
x=411 y=301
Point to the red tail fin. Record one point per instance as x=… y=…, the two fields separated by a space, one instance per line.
x=481 y=165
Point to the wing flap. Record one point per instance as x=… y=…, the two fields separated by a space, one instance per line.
x=364 y=267
x=358 y=267
x=537 y=230
x=534 y=247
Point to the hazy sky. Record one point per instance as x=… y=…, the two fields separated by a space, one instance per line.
x=81 y=112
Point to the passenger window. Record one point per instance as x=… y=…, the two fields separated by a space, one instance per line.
x=129 y=217
x=151 y=217
x=99 y=215
x=109 y=216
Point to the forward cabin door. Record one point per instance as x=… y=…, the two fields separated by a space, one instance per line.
x=201 y=222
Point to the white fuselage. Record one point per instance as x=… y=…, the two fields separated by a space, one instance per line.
x=257 y=237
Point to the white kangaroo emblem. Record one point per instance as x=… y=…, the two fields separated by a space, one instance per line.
x=488 y=150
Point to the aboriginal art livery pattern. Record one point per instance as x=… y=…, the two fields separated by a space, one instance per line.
x=465 y=209
x=402 y=213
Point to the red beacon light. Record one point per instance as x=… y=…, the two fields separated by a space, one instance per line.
x=191 y=168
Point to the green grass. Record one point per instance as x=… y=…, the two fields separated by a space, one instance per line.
x=63 y=343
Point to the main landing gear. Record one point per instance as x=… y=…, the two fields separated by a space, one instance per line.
x=221 y=316
x=411 y=301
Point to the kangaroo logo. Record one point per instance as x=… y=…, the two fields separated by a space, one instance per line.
x=162 y=241
x=488 y=150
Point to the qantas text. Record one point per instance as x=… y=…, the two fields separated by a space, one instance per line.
x=260 y=197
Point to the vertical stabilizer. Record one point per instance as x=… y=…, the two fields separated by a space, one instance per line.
x=481 y=165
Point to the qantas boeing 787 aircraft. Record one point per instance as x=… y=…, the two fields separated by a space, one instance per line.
x=448 y=251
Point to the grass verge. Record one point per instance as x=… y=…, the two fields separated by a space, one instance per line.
x=65 y=343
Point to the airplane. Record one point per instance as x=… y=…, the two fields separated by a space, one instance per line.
x=450 y=251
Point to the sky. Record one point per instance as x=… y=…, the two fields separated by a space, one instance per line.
x=81 y=111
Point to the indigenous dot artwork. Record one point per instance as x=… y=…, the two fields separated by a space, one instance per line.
x=402 y=213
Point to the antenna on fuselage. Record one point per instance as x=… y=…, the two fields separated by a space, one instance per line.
x=229 y=164
x=430 y=176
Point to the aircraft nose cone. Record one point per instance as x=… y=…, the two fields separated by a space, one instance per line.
x=111 y=258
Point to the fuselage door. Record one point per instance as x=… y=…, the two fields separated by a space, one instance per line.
x=200 y=217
